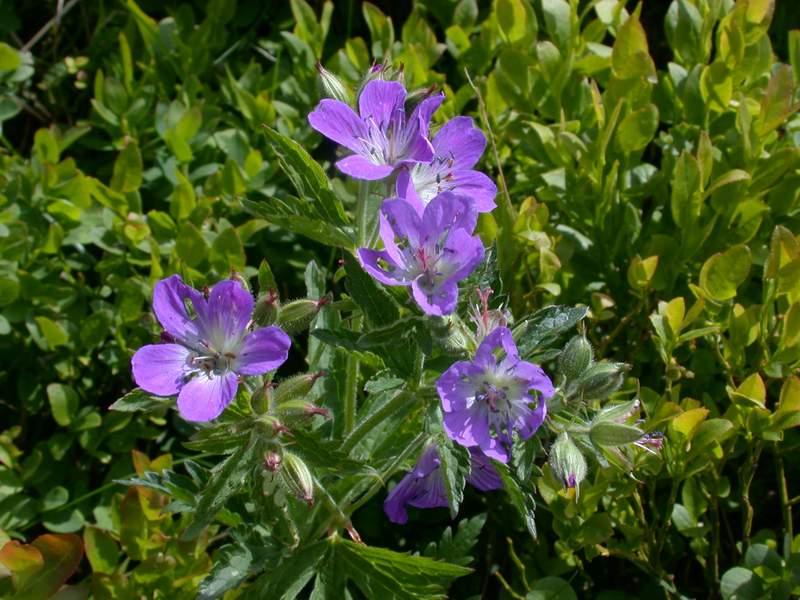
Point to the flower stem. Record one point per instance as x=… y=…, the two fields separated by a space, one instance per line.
x=350 y=399
x=375 y=419
x=362 y=214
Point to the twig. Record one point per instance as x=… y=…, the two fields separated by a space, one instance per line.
x=509 y=212
x=55 y=20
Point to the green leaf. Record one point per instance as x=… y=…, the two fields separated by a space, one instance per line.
x=101 y=549
x=232 y=563
x=9 y=290
x=381 y=573
x=290 y=575
x=95 y=328
x=551 y=588
x=516 y=20
x=456 y=548
x=226 y=479
x=637 y=128
x=138 y=400
x=381 y=30
x=521 y=499
x=558 y=20
x=64 y=402
x=304 y=172
x=684 y=28
x=739 y=583
x=686 y=200
x=378 y=306
x=724 y=272
x=227 y=252
x=9 y=58
x=545 y=326
x=190 y=245
x=38 y=570
x=630 y=57
x=266 y=280
x=127 y=175
x=454 y=462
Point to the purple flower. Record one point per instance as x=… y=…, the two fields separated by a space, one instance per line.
x=456 y=147
x=430 y=253
x=381 y=136
x=423 y=486
x=207 y=350
x=486 y=399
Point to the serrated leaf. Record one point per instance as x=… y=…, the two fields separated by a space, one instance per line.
x=454 y=463
x=545 y=326
x=379 y=307
x=381 y=573
x=226 y=479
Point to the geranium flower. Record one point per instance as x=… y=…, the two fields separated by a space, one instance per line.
x=430 y=253
x=485 y=400
x=457 y=146
x=208 y=351
x=423 y=486
x=382 y=136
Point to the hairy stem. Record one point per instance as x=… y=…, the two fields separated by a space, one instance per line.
x=350 y=400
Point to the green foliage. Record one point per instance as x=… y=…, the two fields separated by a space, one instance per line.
x=648 y=196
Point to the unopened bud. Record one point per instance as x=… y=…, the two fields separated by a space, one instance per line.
x=296 y=387
x=567 y=462
x=296 y=315
x=300 y=408
x=259 y=401
x=415 y=97
x=575 y=358
x=601 y=380
x=272 y=461
x=266 y=310
x=609 y=433
x=333 y=87
x=298 y=478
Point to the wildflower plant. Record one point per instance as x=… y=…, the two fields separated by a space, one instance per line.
x=512 y=310
x=435 y=378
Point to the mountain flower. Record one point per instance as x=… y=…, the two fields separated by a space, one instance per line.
x=456 y=148
x=485 y=400
x=423 y=486
x=382 y=136
x=430 y=253
x=207 y=350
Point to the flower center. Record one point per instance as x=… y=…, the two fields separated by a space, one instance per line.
x=495 y=398
x=213 y=363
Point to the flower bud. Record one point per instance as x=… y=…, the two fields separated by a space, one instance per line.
x=296 y=315
x=567 y=462
x=575 y=358
x=601 y=380
x=259 y=401
x=296 y=387
x=300 y=408
x=333 y=87
x=609 y=433
x=266 y=309
x=272 y=461
x=298 y=478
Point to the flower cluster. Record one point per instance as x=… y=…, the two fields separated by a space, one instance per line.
x=428 y=229
x=429 y=245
